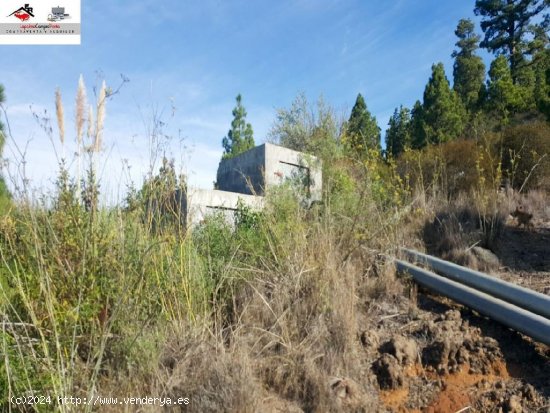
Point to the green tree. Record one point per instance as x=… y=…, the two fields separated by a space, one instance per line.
x=398 y=135
x=540 y=61
x=504 y=97
x=306 y=128
x=293 y=126
x=443 y=112
x=505 y=24
x=362 y=131
x=544 y=103
x=416 y=127
x=240 y=137
x=468 y=69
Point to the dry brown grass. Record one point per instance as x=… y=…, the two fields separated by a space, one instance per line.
x=214 y=377
x=464 y=230
x=293 y=341
x=537 y=202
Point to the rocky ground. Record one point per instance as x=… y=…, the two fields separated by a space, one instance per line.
x=524 y=256
x=441 y=357
x=432 y=355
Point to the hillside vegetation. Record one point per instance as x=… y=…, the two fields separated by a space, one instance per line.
x=276 y=310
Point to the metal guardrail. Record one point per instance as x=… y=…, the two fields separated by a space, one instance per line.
x=520 y=319
x=522 y=297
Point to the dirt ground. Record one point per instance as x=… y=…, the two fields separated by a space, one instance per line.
x=443 y=358
x=524 y=255
x=436 y=356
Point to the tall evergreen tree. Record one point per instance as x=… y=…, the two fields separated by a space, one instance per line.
x=468 y=69
x=543 y=84
x=443 y=112
x=505 y=24
x=416 y=127
x=362 y=130
x=540 y=61
x=504 y=97
x=398 y=135
x=240 y=137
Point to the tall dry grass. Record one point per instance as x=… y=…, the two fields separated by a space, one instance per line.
x=254 y=315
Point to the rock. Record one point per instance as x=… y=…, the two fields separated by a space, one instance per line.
x=403 y=349
x=486 y=259
x=443 y=350
x=469 y=344
x=453 y=315
x=462 y=356
x=389 y=372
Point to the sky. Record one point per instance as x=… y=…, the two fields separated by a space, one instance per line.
x=187 y=60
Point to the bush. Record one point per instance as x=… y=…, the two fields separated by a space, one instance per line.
x=451 y=168
x=526 y=155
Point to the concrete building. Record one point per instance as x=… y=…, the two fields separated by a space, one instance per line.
x=267 y=165
x=199 y=203
x=249 y=175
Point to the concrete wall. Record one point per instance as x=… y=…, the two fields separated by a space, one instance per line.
x=243 y=173
x=199 y=203
x=250 y=173
x=269 y=165
x=284 y=164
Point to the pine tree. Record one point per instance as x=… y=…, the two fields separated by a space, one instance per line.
x=505 y=24
x=468 y=69
x=362 y=130
x=540 y=61
x=416 y=127
x=443 y=113
x=504 y=97
x=543 y=103
x=240 y=137
x=398 y=135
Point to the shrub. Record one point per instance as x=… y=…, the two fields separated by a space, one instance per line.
x=451 y=168
x=526 y=155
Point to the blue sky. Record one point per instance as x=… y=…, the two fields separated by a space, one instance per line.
x=187 y=60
